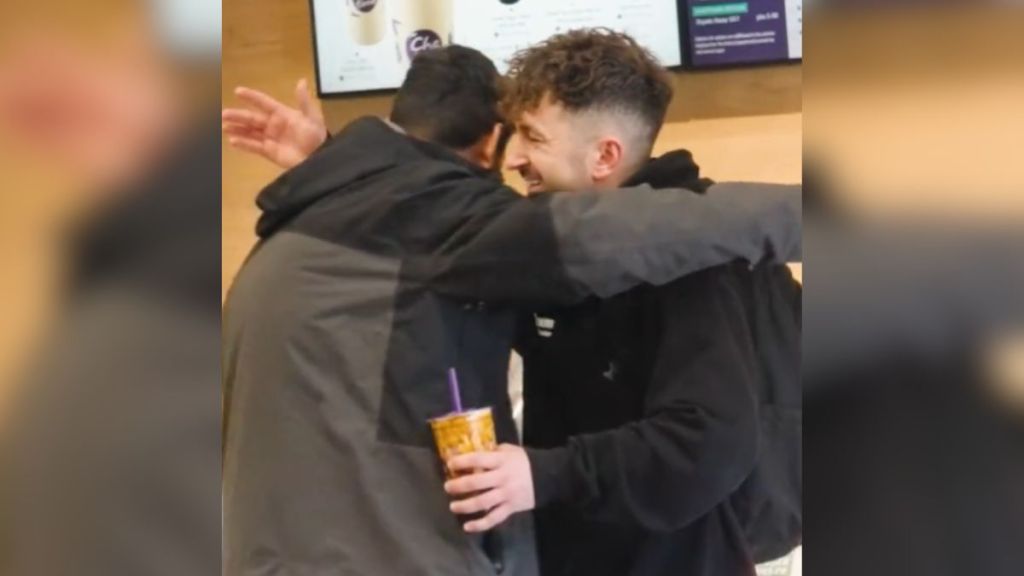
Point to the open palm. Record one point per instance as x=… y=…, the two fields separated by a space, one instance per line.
x=282 y=134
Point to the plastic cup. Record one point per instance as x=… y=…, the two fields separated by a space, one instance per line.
x=463 y=433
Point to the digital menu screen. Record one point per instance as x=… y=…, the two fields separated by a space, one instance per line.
x=364 y=45
x=726 y=33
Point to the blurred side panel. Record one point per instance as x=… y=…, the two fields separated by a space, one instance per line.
x=915 y=288
x=110 y=238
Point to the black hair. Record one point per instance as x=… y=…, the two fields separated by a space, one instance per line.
x=450 y=96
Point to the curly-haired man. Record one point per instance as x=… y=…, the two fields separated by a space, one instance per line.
x=645 y=449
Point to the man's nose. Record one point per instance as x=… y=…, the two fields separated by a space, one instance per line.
x=515 y=154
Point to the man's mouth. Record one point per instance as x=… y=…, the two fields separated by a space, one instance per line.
x=533 y=182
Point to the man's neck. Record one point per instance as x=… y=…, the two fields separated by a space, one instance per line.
x=613 y=182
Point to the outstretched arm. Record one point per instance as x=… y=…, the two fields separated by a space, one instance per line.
x=556 y=249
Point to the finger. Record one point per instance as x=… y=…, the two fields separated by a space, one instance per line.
x=304 y=99
x=473 y=483
x=476 y=460
x=233 y=129
x=244 y=135
x=481 y=503
x=247 y=144
x=495 y=517
x=242 y=116
x=308 y=104
x=259 y=100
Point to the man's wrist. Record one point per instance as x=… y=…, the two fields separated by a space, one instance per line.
x=551 y=470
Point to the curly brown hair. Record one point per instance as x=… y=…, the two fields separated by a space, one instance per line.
x=590 y=69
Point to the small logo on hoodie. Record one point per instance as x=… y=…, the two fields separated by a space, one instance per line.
x=612 y=372
x=545 y=326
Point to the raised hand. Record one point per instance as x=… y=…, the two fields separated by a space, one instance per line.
x=284 y=135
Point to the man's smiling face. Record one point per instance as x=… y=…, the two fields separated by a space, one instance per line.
x=549 y=149
x=587 y=106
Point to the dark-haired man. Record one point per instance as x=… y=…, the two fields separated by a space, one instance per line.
x=643 y=413
x=382 y=258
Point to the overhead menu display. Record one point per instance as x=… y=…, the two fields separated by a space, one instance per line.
x=368 y=44
x=724 y=32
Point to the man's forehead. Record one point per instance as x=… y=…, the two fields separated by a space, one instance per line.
x=526 y=119
x=541 y=116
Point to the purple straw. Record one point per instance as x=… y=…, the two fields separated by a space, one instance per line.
x=453 y=388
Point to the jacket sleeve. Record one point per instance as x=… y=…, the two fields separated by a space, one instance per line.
x=557 y=249
x=697 y=439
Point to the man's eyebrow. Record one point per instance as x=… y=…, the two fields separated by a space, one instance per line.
x=529 y=128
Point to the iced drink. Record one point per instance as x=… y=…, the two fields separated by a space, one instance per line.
x=463 y=433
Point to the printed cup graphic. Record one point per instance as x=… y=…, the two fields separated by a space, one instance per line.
x=463 y=433
x=367 y=21
x=420 y=25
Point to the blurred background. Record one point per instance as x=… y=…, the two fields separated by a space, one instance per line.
x=94 y=98
x=914 y=108
x=109 y=231
x=912 y=356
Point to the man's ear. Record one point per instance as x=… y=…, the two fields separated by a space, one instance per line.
x=484 y=152
x=491 y=157
x=609 y=155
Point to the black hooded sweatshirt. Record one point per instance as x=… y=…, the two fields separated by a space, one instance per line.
x=642 y=415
